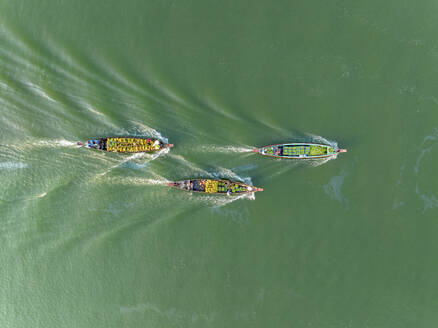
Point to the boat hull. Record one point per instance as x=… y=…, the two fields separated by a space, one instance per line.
x=299 y=151
x=126 y=144
x=215 y=187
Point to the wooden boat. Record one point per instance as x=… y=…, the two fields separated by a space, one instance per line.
x=300 y=150
x=215 y=186
x=126 y=144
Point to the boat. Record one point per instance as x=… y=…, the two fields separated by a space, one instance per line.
x=215 y=186
x=126 y=144
x=300 y=150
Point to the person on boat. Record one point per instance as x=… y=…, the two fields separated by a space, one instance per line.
x=156 y=144
x=229 y=191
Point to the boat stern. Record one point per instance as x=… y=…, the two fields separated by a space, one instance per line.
x=183 y=185
x=272 y=150
x=93 y=143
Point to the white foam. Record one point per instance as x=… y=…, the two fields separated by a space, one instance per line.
x=431 y=137
x=3 y=85
x=138 y=181
x=420 y=157
x=41 y=195
x=39 y=91
x=93 y=110
x=226 y=149
x=427 y=140
x=318 y=139
x=65 y=143
x=319 y=161
x=12 y=165
x=50 y=143
x=218 y=200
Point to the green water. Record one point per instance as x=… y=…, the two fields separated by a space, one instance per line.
x=89 y=239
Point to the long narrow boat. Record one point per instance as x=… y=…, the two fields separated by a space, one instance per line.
x=300 y=150
x=215 y=186
x=126 y=144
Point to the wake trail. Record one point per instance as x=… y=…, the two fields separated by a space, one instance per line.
x=132 y=181
x=147 y=156
x=46 y=143
x=217 y=200
x=189 y=164
x=225 y=149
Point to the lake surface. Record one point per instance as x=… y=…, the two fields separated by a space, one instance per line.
x=91 y=239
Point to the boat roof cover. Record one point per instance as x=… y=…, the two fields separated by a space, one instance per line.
x=296 y=150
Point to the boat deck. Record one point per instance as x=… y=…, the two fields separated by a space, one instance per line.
x=132 y=145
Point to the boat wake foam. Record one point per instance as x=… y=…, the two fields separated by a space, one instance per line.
x=133 y=181
x=318 y=139
x=225 y=149
x=217 y=200
x=222 y=172
x=12 y=165
x=39 y=91
x=321 y=161
x=47 y=143
x=145 y=130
